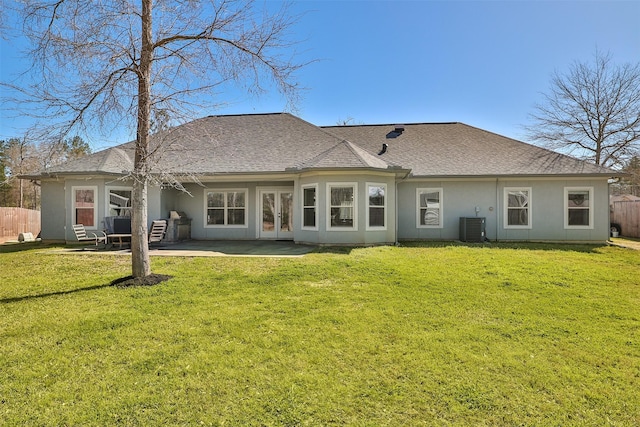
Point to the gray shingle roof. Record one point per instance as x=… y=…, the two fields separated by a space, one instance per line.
x=253 y=143
x=280 y=142
x=344 y=154
x=456 y=149
x=111 y=161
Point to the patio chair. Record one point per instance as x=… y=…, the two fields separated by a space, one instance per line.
x=158 y=228
x=83 y=236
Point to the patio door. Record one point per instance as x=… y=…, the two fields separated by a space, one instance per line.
x=276 y=214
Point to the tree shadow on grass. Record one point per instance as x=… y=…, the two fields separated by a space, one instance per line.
x=153 y=279
x=11 y=247
x=51 y=294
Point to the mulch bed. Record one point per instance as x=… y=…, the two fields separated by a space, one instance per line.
x=150 y=280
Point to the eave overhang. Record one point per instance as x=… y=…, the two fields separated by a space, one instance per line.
x=523 y=176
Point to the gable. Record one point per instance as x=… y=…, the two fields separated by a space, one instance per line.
x=345 y=155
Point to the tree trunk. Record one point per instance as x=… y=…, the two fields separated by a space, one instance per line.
x=140 y=262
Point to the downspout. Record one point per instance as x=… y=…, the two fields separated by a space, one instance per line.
x=66 y=211
x=496 y=208
x=397 y=205
x=396 y=214
x=614 y=179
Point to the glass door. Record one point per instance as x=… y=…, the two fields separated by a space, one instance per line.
x=276 y=209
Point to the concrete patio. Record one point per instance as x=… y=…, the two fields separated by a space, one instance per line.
x=212 y=248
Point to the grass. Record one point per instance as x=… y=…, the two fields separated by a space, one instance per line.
x=437 y=334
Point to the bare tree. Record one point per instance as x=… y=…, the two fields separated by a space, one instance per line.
x=592 y=112
x=631 y=183
x=116 y=63
x=19 y=156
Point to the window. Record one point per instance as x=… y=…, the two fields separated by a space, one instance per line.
x=310 y=207
x=376 y=209
x=118 y=201
x=226 y=208
x=578 y=207
x=429 y=207
x=517 y=207
x=85 y=207
x=342 y=205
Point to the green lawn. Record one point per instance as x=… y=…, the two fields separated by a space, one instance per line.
x=435 y=334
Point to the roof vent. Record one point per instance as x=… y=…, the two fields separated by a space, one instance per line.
x=384 y=149
x=396 y=132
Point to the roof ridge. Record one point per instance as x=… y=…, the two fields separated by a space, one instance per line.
x=361 y=153
x=122 y=157
x=321 y=155
x=363 y=157
x=275 y=113
x=390 y=124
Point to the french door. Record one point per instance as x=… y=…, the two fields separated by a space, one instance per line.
x=276 y=214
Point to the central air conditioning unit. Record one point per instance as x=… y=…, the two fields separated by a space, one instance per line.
x=472 y=229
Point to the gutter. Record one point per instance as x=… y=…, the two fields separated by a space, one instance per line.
x=59 y=175
x=516 y=176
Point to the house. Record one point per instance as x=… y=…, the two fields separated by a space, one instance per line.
x=276 y=176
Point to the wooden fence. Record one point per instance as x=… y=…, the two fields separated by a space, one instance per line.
x=627 y=215
x=14 y=221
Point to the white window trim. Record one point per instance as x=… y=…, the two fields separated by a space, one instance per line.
x=505 y=210
x=355 y=205
x=108 y=190
x=227 y=190
x=384 y=206
x=95 y=205
x=303 y=206
x=566 y=208
x=440 y=218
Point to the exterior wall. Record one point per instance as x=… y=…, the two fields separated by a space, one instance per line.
x=461 y=198
x=468 y=198
x=359 y=234
x=154 y=204
x=548 y=211
x=169 y=201
x=154 y=199
x=57 y=206
x=195 y=208
x=100 y=198
x=53 y=211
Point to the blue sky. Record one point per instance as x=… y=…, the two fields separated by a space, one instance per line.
x=484 y=63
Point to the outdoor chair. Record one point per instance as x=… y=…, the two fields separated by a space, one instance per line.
x=83 y=236
x=158 y=228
